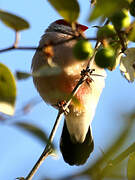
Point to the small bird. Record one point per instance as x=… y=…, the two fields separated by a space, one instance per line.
x=76 y=141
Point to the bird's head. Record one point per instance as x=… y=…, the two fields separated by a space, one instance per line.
x=63 y=26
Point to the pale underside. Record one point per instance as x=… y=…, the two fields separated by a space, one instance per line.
x=56 y=88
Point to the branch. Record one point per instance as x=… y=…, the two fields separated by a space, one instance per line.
x=122 y=40
x=85 y=74
x=16 y=39
x=48 y=148
x=16 y=47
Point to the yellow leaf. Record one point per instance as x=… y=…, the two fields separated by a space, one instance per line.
x=7 y=90
x=131 y=167
x=127 y=64
x=14 y=22
x=107 y=8
x=69 y=9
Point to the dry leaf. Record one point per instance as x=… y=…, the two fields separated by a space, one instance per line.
x=127 y=64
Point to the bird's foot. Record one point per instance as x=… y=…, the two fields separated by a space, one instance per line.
x=87 y=73
x=61 y=107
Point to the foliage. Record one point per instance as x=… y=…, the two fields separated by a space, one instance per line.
x=14 y=22
x=127 y=64
x=34 y=130
x=7 y=90
x=69 y=10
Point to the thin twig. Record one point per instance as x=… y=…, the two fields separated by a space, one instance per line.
x=98 y=43
x=122 y=40
x=91 y=61
x=14 y=47
x=17 y=48
x=16 y=39
x=48 y=148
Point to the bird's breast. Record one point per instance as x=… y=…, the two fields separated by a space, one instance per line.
x=54 y=89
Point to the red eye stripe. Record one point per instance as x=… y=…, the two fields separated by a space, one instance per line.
x=82 y=27
x=63 y=22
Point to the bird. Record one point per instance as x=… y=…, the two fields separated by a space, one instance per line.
x=76 y=141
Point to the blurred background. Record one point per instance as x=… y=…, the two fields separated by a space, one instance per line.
x=19 y=150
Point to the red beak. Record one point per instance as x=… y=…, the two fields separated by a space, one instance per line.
x=80 y=26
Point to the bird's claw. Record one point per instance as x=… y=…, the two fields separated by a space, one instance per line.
x=87 y=73
x=89 y=80
x=61 y=106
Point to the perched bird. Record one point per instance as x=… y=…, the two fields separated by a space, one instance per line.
x=76 y=141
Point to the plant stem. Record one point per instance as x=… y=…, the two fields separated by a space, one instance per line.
x=15 y=47
x=16 y=39
x=48 y=148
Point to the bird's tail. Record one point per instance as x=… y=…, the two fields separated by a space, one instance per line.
x=75 y=153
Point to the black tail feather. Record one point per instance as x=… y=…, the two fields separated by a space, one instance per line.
x=75 y=154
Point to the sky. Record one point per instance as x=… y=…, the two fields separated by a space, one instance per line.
x=19 y=151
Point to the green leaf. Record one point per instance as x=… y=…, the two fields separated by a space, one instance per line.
x=47 y=71
x=127 y=64
x=43 y=71
x=98 y=168
x=22 y=75
x=131 y=167
x=14 y=22
x=117 y=62
x=34 y=130
x=7 y=90
x=107 y=8
x=69 y=9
